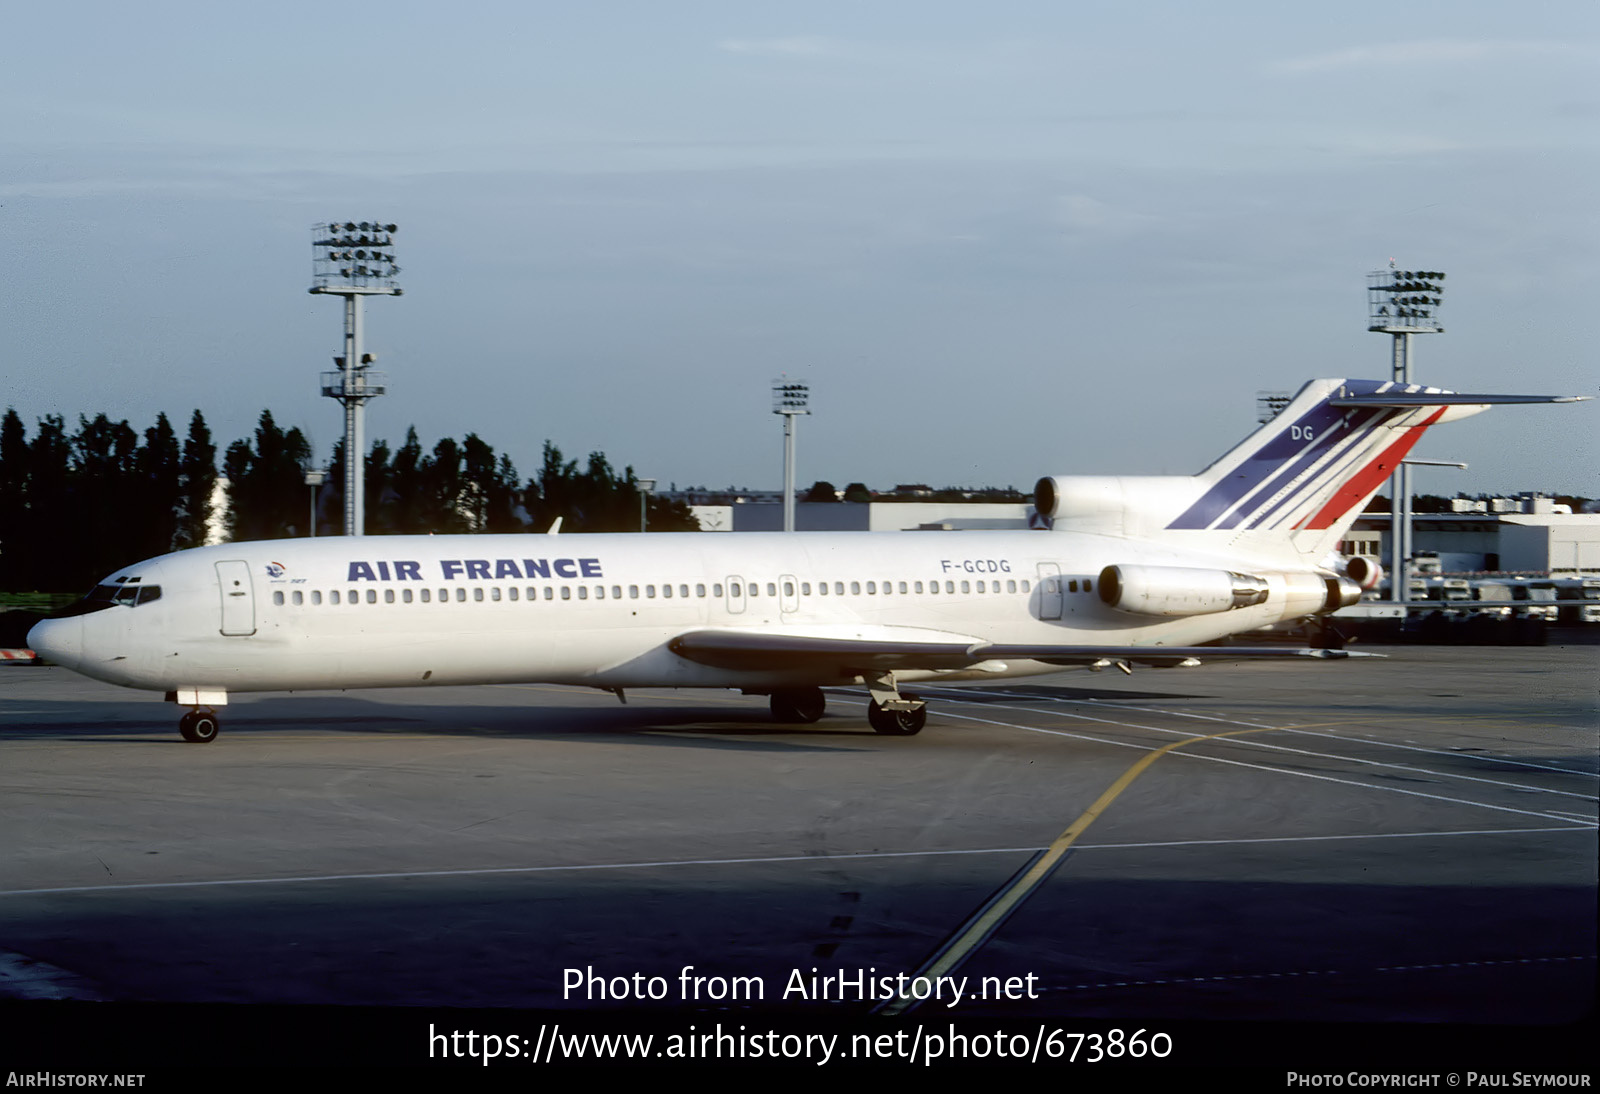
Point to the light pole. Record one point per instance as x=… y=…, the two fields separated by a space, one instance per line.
x=314 y=477
x=646 y=487
x=791 y=400
x=1401 y=303
x=353 y=260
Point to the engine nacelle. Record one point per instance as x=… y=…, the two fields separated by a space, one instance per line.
x=1364 y=571
x=1182 y=590
x=1179 y=590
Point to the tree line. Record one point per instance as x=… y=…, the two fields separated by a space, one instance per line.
x=76 y=504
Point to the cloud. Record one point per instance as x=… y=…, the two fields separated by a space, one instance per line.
x=802 y=45
x=1431 y=52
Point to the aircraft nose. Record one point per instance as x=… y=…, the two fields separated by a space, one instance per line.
x=59 y=641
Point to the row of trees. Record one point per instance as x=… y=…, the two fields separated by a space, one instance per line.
x=75 y=505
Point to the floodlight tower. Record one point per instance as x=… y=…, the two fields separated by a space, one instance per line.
x=1401 y=303
x=1269 y=404
x=789 y=399
x=354 y=259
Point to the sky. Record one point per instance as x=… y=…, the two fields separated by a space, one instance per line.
x=999 y=240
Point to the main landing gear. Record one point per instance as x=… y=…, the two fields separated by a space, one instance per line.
x=199 y=727
x=896 y=723
x=890 y=713
x=798 y=706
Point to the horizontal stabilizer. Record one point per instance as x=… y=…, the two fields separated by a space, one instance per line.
x=1448 y=398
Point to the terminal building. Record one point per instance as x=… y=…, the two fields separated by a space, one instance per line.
x=1528 y=534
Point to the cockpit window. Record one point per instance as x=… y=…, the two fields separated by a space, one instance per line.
x=105 y=596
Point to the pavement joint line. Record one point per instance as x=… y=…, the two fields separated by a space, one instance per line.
x=1304 y=729
x=1544 y=815
x=1240 y=976
x=954 y=695
x=775 y=859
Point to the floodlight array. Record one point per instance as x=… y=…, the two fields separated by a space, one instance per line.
x=1269 y=404
x=358 y=254
x=789 y=397
x=1404 y=299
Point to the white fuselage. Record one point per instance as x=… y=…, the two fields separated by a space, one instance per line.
x=599 y=610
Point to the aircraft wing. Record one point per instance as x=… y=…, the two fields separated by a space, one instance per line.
x=884 y=650
x=1160 y=656
x=915 y=649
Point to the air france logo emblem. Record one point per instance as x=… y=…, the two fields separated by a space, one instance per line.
x=275 y=569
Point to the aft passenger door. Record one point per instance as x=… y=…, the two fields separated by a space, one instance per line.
x=1049 y=590
x=238 y=598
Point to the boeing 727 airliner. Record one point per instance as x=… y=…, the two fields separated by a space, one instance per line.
x=1131 y=571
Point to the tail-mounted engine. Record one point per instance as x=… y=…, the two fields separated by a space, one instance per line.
x=1364 y=571
x=1181 y=591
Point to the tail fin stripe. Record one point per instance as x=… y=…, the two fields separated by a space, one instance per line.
x=1348 y=449
x=1249 y=483
x=1249 y=475
x=1371 y=476
x=1342 y=432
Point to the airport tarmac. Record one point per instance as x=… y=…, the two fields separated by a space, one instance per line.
x=1398 y=843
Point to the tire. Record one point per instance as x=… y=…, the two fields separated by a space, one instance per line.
x=198 y=728
x=799 y=706
x=896 y=723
